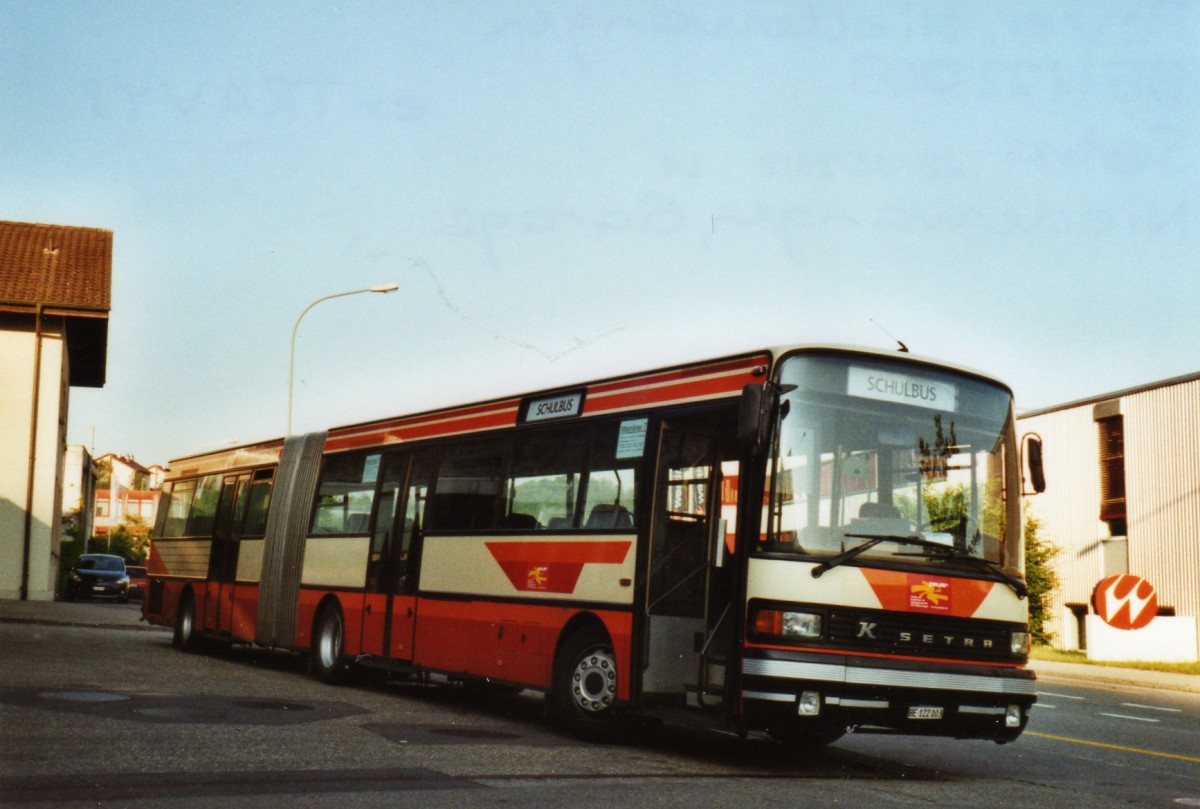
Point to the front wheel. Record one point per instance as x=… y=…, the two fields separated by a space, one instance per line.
x=328 y=641
x=585 y=688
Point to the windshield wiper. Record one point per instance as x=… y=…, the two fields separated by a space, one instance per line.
x=999 y=575
x=944 y=551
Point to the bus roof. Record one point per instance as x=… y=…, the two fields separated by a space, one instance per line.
x=704 y=380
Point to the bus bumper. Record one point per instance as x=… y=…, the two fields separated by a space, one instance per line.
x=881 y=695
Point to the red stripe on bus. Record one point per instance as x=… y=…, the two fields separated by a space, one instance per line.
x=741 y=367
x=443 y=425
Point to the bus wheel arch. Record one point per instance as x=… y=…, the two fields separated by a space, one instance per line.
x=326 y=659
x=585 y=683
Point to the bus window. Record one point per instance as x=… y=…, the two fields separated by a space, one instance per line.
x=546 y=472
x=345 y=495
x=260 y=503
x=469 y=490
x=179 y=503
x=203 y=514
x=612 y=483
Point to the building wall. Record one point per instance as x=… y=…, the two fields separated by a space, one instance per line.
x=79 y=488
x=1162 y=485
x=17 y=360
x=1162 y=492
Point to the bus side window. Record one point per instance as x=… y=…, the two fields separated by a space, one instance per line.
x=544 y=479
x=178 y=500
x=610 y=498
x=203 y=514
x=469 y=491
x=255 y=524
x=346 y=493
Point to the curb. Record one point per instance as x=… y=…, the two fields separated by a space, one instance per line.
x=142 y=627
x=1114 y=676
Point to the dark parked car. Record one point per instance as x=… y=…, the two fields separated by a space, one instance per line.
x=98 y=574
x=137 y=580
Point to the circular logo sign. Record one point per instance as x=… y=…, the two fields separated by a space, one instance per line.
x=1125 y=601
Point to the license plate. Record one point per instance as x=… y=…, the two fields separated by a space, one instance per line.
x=924 y=712
x=97 y=589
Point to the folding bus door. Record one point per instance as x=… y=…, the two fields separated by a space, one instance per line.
x=389 y=615
x=686 y=516
x=222 y=566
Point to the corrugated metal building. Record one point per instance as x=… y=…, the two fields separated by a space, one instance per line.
x=1122 y=496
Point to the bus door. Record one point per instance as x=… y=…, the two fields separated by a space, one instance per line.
x=685 y=563
x=389 y=615
x=223 y=561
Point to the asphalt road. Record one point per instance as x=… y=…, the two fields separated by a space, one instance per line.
x=97 y=711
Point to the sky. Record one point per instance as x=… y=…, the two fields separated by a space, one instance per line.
x=566 y=191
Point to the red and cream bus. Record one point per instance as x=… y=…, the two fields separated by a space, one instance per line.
x=804 y=541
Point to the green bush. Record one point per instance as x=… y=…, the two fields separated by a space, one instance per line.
x=1040 y=578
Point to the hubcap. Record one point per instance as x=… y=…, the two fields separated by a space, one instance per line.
x=594 y=681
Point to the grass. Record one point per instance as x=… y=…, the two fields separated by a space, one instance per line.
x=1061 y=656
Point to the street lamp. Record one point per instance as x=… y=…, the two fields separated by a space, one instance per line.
x=292 y=360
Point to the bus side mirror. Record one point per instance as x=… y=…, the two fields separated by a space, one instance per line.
x=753 y=417
x=1032 y=454
x=758 y=406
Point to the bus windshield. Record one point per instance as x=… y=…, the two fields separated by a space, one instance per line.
x=909 y=463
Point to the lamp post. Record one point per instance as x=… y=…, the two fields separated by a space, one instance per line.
x=292 y=360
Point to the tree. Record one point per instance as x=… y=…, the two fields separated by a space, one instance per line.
x=943 y=507
x=1040 y=578
x=130 y=539
x=104 y=473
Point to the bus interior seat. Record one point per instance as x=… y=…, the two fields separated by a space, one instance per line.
x=609 y=515
x=878 y=511
x=516 y=521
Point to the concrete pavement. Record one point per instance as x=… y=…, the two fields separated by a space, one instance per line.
x=109 y=615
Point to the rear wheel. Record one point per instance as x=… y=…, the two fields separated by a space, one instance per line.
x=328 y=641
x=585 y=688
x=186 y=637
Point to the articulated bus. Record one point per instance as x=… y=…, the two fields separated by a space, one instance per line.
x=803 y=541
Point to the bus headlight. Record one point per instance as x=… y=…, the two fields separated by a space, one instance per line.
x=788 y=623
x=1020 y=643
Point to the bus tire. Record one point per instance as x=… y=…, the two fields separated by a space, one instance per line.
x=585 y=688
x=326 y=661
x=186 y=638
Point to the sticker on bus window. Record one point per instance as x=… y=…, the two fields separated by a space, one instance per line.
x=371 y=469
x=631 y=441
x=902 y=388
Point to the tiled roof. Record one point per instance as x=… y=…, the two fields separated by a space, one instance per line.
x=68 y=271
x=56 y=265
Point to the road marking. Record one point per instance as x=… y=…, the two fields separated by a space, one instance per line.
x=1122 y=748
x=1134 y=718
x=1043 y=705
x=1059 y=696
x=1151 y=707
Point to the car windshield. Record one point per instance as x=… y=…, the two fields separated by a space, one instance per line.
x=109 y=563
x=904 y=461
